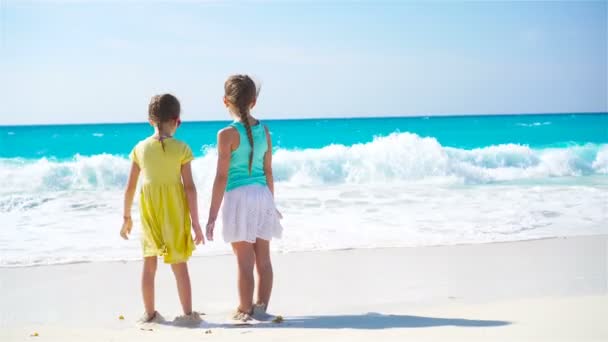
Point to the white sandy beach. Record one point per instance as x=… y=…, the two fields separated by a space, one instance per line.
x=542 y=290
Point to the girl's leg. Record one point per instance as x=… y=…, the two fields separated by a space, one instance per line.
x=183 y=286
x=147 y=284
x=264 y=269
x=245 y=258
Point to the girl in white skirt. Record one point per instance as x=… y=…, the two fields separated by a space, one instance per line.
x=244 y=182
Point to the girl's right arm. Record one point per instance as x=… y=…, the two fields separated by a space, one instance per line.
x=128 y=202
x=190 y=190
x=224 y=150
x=268 y=167
x=268 y=163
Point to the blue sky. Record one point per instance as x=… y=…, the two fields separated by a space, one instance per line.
x=101 y=61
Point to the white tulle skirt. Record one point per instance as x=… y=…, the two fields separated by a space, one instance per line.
x=249 y=213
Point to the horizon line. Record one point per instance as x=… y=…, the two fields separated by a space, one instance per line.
x=383 y=116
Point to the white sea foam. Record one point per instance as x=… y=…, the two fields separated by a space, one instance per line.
x=78 y=226
x=399 y=157
x=82 y=173
x=399 y=190
x=534 y=124
x=600 y=164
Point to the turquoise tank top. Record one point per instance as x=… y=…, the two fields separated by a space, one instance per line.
x=238 y=173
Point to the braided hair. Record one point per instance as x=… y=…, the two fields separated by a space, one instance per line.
x=241 y=91
x=163 y=108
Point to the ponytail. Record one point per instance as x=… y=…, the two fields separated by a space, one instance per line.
x=161 y=139
x=241 y=91
x=244 y=116
x=163 y=108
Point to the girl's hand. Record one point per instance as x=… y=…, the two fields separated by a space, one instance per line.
x=126 y=227
x=198 y=234
x=210 y=227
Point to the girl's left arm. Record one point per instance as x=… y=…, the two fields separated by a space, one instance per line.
x=128 y=201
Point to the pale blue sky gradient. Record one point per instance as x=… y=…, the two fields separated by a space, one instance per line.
x=77 y=61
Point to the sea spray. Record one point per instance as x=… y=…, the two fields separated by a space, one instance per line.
x=398 y=157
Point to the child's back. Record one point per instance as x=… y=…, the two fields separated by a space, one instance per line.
x=161 y=165
x=164 y=210
x=239 y=173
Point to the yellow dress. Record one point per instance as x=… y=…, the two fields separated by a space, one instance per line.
x=164 y=212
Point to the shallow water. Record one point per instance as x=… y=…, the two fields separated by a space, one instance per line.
x=340 y=183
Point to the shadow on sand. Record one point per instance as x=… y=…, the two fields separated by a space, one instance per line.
x=373 y=321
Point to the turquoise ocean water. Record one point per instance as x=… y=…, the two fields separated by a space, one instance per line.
x=341 y=183
x=466 y=132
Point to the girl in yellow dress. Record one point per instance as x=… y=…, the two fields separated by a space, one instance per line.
x=168 y=205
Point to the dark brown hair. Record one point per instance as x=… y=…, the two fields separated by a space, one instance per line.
x=163 y=108
x=241 y=91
